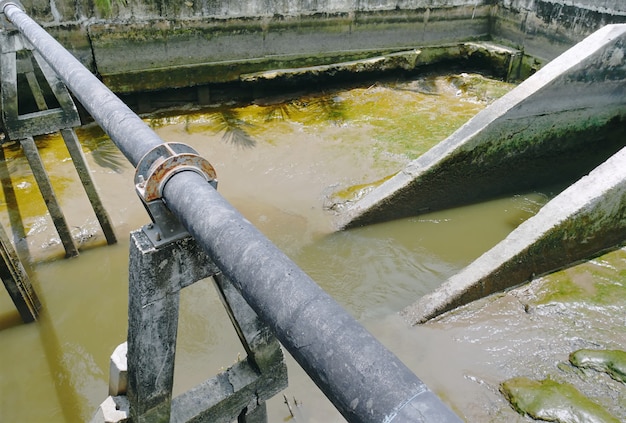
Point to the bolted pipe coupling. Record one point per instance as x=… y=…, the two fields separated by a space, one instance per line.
x=158 y=165
x=5 y=3
x=153 y=171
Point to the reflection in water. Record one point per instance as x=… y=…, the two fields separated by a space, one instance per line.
x=102 y=149
x=235 y=130
x=280 y=185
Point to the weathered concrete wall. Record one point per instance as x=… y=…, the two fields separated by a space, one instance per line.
x=135 y=44
x=546 y=28
x=142 y=45
x=218 y=50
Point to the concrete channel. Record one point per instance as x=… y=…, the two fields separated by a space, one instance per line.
x=202 y=52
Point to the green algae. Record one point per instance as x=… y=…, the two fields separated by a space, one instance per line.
x=612 y=362
x=342 y=198
x=394 y=122
x=28 y=198
x=601 y=281
x=553 y=401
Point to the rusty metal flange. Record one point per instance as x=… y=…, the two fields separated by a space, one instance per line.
x=155 y=168
x=158 y=165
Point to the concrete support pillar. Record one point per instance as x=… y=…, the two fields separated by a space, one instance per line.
x=156 y=276
x=45 y=119
x=118 y=371
x=15 y=216
x=47 y=192
x=256 y=415
x=78 y=158
x=152 y=329
x=16 y=281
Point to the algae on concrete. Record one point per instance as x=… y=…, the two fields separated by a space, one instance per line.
x=553 y=401
x=612 y=362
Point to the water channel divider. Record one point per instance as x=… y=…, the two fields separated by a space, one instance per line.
x=363 y=379
x=566 y=124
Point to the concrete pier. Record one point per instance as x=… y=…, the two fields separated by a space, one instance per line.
x=553 y=128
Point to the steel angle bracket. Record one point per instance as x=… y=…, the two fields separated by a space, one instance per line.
x=155 y=168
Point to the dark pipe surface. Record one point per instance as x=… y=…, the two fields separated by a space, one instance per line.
x=363 y=379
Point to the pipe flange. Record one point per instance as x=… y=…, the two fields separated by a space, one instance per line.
x=165 y=160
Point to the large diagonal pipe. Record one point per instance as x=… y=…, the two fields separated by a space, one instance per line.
x=363 y=379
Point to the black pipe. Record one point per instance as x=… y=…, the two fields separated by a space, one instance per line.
x=363 y=379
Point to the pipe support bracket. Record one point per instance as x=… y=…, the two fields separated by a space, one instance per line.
x=153 y=171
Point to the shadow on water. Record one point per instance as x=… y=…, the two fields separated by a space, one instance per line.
x=235 y=129
x=66 y=391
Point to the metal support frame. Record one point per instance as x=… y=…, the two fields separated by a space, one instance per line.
x=363 y=379
x=156 y=277
x=19 y=58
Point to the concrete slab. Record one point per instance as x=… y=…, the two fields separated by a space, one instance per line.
x=553 y=128
x=585 y=220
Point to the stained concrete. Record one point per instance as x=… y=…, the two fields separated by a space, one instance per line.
x=145 y=45
x=585 y=220
x=546 y=28
x=220 y=50
x=553 y=128
x=538 y=133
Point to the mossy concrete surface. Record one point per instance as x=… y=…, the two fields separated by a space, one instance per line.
x=612 y=362
x=145 y=45
x=182 y=53
x=552 y=401
x=553 y=128
x=550 y=127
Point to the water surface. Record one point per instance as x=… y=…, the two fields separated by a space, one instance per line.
x=283 y=165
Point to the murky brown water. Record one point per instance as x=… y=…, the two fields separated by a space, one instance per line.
x=280 y=166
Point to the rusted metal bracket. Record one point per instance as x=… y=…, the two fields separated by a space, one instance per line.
x=155 y=168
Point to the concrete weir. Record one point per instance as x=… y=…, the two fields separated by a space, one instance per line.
x=556 y=126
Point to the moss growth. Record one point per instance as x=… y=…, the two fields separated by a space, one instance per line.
x=355 y=192
x=601 y=282
x=552 y=401
x=612 y=362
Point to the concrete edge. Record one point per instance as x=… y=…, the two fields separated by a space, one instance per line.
x=476 y=131
x=586 y=219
